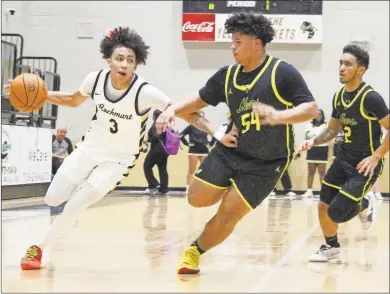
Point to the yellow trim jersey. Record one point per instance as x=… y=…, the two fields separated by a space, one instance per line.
x=359 y=113
x=275 y=83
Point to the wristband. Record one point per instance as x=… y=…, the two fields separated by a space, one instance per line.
x=219 y=135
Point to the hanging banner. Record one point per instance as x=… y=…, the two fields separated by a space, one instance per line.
x=26 y=155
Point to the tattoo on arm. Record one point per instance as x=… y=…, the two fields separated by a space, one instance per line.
x=201 y=123
x=326 y=135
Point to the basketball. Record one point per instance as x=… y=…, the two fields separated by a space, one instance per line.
x=27 y=93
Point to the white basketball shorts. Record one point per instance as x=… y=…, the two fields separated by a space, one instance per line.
x=102 y=172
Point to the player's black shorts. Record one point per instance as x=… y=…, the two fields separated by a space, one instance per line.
x=253 y=179
x=343 y=176
x=198 y=150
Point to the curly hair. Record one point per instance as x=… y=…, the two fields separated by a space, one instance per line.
x=250 y=23
x=361 y=55
x=125 y=37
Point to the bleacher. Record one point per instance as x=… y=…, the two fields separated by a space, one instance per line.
x=14 y=63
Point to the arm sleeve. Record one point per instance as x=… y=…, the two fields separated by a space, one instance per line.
x=151 y=97
x=375 y=106
x=291 y=85
x=213 y=92
x=184 y=141
x=184 y=133
x=87 y=85
x=70 y=146
x=335 y=114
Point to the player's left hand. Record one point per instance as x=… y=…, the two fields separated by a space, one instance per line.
x=267 y=114
x=368 y=165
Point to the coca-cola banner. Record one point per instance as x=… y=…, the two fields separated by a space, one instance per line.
x=299 y=29
x=198 y=27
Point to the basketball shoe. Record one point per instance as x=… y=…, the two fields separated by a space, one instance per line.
x=189 y=262
x=368 y=215
x=32 y=259
x=325 y=253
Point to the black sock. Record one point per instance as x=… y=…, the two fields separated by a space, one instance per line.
x=332 y=241
x=195 y=243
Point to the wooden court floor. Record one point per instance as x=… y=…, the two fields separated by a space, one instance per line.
x=133 y=244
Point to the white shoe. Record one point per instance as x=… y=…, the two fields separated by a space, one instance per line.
x=368 y=215
x=308 y=194
x=150 y=191
x=272 y=193
x=325 y=253
x=378 y=196
x=291 y=194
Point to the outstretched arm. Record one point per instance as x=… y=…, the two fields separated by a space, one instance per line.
x=270 y=116
x=66 y=99
x=329 y=133
x=326 y=135
x=188 y=110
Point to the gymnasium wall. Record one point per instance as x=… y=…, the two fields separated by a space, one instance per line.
x=51 y=28
x=180 y=69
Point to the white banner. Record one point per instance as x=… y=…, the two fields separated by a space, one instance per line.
x=25 y=155
x=289 y=28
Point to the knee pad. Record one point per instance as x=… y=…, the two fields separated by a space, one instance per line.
x=327 y=194
x=343 y=209
x=60 y=190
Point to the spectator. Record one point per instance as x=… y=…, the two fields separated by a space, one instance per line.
x=156 y=155
x=337 y=143
x=317 y=156
x=287 y=186
x=199 y=148
x=61 y=147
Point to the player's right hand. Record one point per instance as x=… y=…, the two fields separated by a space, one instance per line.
x=305 y=145
x=8 y=85
x=166 y=119
x=230 y=139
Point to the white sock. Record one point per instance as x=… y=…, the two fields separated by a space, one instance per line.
x=310 y=191
x=83 y=197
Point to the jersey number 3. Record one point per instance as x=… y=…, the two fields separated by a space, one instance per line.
x=114 y=127
x=249 y=119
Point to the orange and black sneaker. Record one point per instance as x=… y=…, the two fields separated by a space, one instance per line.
x=32 y=259
x=189 y=263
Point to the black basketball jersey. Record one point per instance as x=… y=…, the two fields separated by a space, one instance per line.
x=263 y=142
x=362 y=131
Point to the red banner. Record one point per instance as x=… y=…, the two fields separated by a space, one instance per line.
x=198 y=27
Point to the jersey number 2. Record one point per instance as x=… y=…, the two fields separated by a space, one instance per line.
x=347 y=134
x=114 y=128
x=249 y=119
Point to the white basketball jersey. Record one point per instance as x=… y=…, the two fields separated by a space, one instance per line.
x=117 y=127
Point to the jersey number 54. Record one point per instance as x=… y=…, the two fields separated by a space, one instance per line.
x=249 y=119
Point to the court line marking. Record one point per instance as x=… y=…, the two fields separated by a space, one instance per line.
x=260 y=286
